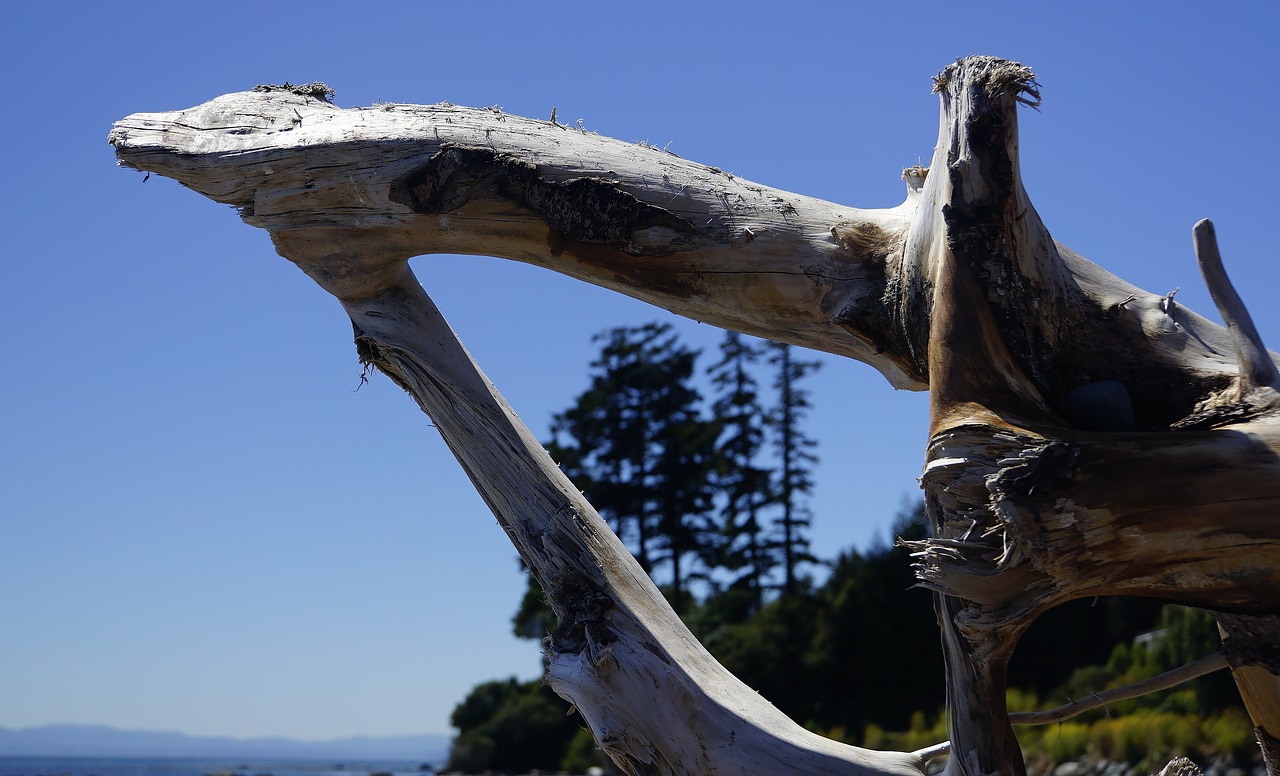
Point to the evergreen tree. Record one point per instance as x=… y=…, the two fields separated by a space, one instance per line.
x=607 y=454
x=876 y=655
x=510 y=726
x=683 y=496
x=795 y=460
x=636 y=443
x=745 y=487
x=533 y=619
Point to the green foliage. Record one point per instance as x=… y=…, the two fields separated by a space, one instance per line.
x=1068 y=741
x=1078 y=633
x=875 y=651
x=770 y=651
x=510 y=726
x=582 y=753
x=1230 y=734
x=533 y=618
x=1144 y=738
x=922 y=731
x=1189 y=634
x=1202 y=720
x=862 y=646
x=484 y=701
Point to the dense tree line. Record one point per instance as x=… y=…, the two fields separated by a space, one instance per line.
x=707 y=497
x=712 y=499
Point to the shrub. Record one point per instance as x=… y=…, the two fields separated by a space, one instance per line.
x=1230 y=734
x=1067 y=741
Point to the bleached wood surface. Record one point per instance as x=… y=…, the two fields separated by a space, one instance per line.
x=352 y=194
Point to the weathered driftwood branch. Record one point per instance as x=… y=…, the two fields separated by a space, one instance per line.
x=1171 y=678
x=351 y=195
x=1257 y=370
x=1087 y=437
x=1164 y=681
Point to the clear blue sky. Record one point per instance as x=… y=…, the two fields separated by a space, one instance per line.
x=203 y=528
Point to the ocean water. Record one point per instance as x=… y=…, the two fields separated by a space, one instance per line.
x=132 y=766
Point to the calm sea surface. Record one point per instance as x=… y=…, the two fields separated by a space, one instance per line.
x=111 y=766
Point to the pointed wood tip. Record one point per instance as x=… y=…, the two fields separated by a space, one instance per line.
x=1257 y=369
x=1204 y=231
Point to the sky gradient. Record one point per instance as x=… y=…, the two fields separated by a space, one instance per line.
x=204 y=527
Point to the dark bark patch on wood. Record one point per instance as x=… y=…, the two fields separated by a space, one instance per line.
x=583 y=210
x=318 y=90
x=583 y=609
x=655 y=273
x=867 y=241
x=881 y=315
x=1065 y=342
x=1253 y=640
x=1270 y=750
x=875 y=322
x=1038 y=471
x=1101 y=406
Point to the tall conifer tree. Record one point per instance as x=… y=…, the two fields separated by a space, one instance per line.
x=745 y=487
x=795 y=460
x=636 y=443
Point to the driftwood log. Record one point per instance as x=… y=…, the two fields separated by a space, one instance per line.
x=1087 y=437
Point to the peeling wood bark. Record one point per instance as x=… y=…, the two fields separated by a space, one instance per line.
x=1087 y=437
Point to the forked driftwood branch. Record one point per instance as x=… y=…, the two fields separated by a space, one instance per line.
x=1087 y=437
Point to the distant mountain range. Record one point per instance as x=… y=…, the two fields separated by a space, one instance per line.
x=101 y=741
